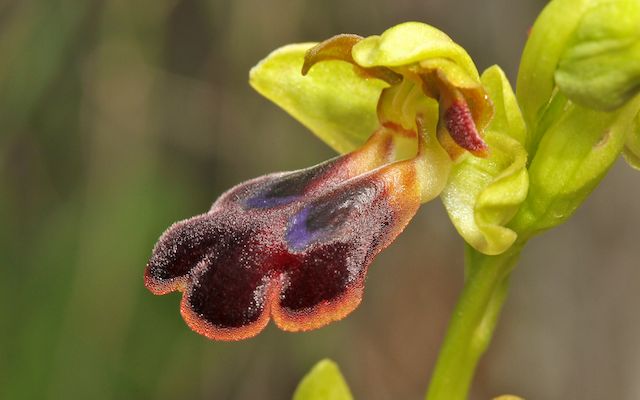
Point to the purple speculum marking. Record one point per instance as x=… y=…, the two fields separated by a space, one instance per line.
x=299 y=236
x=326 y=215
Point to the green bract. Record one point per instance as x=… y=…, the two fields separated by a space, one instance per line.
x=483 y=194
x=597 y=69
x=323 y=382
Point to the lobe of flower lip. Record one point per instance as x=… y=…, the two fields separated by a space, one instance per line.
x=294 y=247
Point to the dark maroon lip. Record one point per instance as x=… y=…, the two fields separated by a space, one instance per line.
x=291 y=246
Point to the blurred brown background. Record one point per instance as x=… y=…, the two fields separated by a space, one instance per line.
x=119 y=117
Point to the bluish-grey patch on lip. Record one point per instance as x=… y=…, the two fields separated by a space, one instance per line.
x=298 y=235
x=326 y=215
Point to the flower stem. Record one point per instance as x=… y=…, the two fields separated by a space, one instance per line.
x=472 y=324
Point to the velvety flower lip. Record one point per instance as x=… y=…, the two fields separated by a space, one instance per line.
x=170 y=265
x=294 y=247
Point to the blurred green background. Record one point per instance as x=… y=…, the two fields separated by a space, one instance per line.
x=119 y=117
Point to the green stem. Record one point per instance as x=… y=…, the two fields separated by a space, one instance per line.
x=472 y=324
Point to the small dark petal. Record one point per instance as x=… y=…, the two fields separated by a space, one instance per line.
x=462 y=128
x=339 y=48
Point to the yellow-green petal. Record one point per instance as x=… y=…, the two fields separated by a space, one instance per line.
x=332 y=100
x=483 y=194
x=339 y=48
x=410 y=43
x=600 y=68
x=323 y=382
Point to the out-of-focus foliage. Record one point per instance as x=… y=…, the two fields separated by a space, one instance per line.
x=120 y=117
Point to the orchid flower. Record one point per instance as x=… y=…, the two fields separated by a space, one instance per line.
x=292 y=246
x=296 y=246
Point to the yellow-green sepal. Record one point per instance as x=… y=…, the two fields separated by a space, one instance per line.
x=483 y=194
x=410 y=43
x=600 y=67
x=323 y=382
x=332 y=100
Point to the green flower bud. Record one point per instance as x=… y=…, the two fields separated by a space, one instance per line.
x=578 y=88
x=573 y=156
x=546 y=45
x=600 y=67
